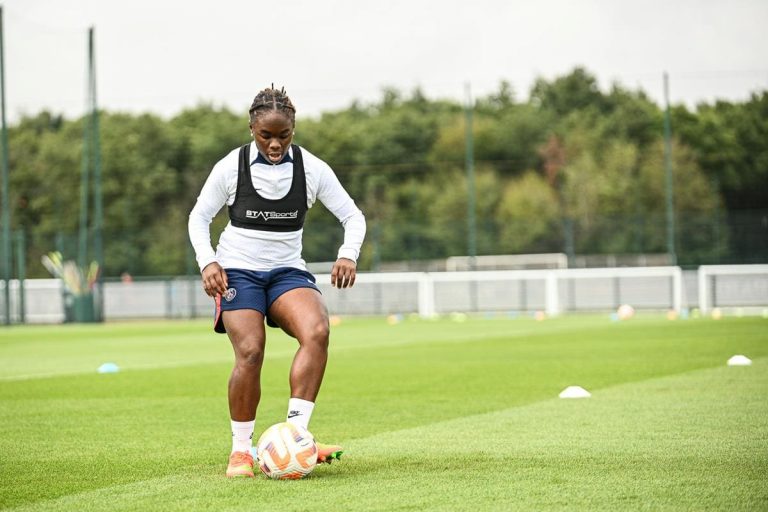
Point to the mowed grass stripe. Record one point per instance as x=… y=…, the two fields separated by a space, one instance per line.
x=44 y=352
x=75 y=349
x=170 y=351
x=417 y=384
x=694 y=441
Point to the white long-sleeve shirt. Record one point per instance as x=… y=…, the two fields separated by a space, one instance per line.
x=253 y=249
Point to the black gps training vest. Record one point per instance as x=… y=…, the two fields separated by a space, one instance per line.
x=251 y=211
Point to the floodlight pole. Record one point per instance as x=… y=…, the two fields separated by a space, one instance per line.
x=6 y=243
x=668 y=173
x=82 y=249
x=98 y=216
x=471 y=223
x=470 y=165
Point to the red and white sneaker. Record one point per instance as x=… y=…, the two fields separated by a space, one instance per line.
x=240 y=465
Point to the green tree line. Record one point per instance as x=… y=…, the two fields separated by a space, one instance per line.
x=571 y=168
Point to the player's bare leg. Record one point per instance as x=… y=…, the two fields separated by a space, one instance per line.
x=245 y=328
x=302 y=314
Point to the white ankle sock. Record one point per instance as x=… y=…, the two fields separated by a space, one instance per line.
x=242 y=435
x=299 y=412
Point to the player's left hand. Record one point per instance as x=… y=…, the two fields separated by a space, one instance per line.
x=343 y=273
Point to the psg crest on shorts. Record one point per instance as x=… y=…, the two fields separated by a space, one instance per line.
x=230 y=294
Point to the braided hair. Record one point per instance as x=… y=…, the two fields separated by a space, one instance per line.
x=270 y=99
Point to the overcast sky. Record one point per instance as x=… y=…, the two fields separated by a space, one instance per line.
x=164 y=55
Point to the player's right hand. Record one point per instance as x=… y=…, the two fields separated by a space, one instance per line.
x=214 y=280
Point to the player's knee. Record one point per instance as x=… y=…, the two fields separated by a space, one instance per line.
x=254 y=357
x=319 y=334
x=251 y=354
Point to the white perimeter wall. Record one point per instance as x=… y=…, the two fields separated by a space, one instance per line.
x=552 y=291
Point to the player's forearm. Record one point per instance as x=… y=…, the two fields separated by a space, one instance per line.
x=354 y=234
x=200 y=237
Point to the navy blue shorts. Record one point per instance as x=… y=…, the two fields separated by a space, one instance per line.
x=254 y=289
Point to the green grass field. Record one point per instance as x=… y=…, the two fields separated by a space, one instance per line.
x=434 y=415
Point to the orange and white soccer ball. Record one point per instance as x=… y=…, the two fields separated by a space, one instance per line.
x=286 y=452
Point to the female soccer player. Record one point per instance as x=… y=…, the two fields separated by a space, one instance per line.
x=257 y=272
